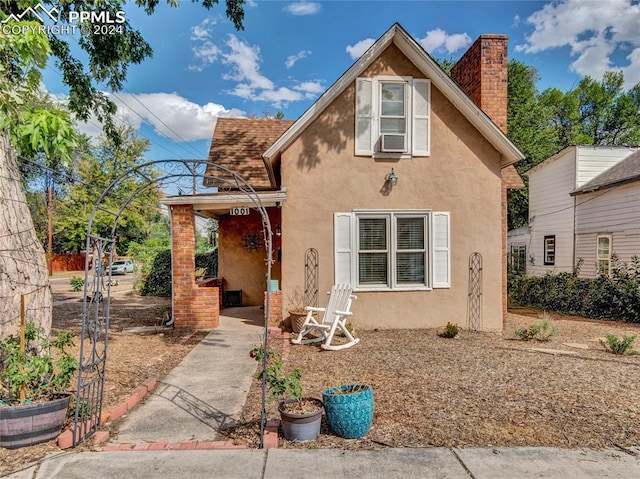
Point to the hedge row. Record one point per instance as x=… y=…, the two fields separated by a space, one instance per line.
x=158 y=283
x=615 y=297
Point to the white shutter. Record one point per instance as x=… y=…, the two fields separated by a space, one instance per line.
x=441 y=250
x=364 y=117
x=342 y=243
x=421 y=103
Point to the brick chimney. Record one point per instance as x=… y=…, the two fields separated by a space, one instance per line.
x=482 y=74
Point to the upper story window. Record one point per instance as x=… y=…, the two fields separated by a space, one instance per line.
x=392 y=117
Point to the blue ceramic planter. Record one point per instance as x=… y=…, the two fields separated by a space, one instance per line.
x=349 y=410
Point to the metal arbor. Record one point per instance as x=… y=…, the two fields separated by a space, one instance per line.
x=94 y=335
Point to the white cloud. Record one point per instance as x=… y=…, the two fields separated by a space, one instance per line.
x=303 y=8
x=593 y=31
x=357 y=50
x=440 y=41
x=170 y=115
x=292 y=59
x=244 y=61
x=204 y=50
x=310 y=89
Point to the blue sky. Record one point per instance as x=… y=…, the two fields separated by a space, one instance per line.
x=290 y=52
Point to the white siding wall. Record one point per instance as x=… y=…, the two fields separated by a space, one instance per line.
x=594 y=160
x=614 y=211
x=551 y=212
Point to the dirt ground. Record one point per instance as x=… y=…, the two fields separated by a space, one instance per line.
x=479 y=390
x=132 y=357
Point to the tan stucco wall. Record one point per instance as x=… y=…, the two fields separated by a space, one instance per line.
x=461 y=176
x=241 y=269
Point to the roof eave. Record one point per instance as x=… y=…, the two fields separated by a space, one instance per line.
x=605 y=186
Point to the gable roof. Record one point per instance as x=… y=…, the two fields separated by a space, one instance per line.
x=623 y=172
x=238 y=144
x=427 y=65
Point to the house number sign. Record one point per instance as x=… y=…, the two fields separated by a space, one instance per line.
x=241 y=211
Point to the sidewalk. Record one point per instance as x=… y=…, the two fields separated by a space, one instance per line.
x=170 y=435
x=436 y=463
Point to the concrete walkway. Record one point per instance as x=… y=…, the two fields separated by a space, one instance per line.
x=207 y=390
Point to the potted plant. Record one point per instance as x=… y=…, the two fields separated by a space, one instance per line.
x=296 y=310
x=300 y=416
x=34 y=377
x=349 y=409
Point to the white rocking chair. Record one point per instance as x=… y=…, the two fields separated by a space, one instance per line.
x=333 y=320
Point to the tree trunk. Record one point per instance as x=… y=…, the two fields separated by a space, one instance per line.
x=23 y=264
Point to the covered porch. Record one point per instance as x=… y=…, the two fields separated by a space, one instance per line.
x=242 y=256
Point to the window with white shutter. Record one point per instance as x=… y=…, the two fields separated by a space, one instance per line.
x=392 y=117
x=392 y=250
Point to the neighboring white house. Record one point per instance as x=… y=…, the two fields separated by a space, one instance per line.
x=584 y=204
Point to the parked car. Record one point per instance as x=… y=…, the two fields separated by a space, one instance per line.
x=123 y=266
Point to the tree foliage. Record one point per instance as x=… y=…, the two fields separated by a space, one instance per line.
x=100 y=168
x=109 y=56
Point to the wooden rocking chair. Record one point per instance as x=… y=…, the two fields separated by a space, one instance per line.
x=334 y=320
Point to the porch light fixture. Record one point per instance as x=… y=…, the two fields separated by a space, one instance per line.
x=392 y=178
x=278 y=230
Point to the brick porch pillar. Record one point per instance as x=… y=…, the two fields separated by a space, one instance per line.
x=193 y=307
x=275 y=308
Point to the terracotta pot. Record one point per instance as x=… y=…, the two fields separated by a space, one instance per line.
x=29 y=424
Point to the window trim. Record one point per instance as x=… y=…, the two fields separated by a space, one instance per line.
x=546 y=251
x=609 y=236
x=392 y=215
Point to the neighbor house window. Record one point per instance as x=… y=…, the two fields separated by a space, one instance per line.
x=389 y=250
x=518 y=258
x=550 y=250
x=392 y=116
x=604 y=254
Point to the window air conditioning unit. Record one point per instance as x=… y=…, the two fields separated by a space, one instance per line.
x=393 y=142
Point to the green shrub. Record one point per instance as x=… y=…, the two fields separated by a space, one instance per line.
x=208 y=261
x=157 y=278
x=450 y=331
x=542 y=331
x=615 y=297
x=617 y=345
x=77 y=283
x=158 y=282
x=37 y=373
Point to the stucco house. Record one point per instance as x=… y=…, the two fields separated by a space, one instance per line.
x=393 y=179
x=584 y=205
